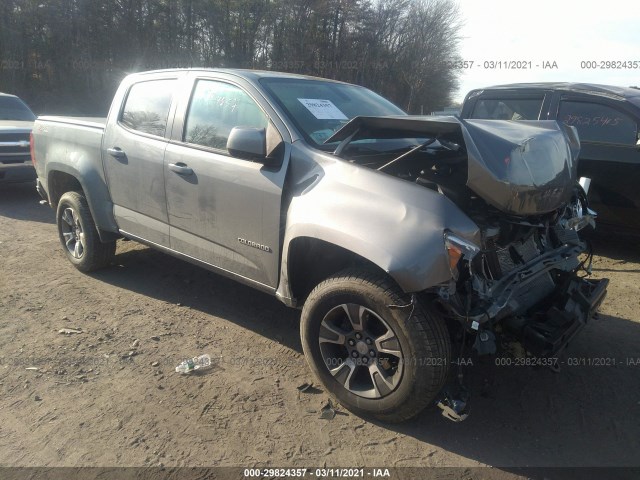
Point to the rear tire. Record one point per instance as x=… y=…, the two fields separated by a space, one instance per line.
x=374 y=359
x=79 y=236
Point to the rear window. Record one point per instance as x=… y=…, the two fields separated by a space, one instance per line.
x=12 y=108
x=508 y=108
x=147 y=106
x=599 y=123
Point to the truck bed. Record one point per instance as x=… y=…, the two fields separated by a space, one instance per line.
x=71 y=147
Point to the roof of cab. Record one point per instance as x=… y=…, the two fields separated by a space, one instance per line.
x=240 y=72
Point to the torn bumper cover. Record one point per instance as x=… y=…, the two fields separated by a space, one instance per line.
x=521 y=168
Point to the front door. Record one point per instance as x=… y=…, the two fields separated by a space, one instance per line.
x=223 y=210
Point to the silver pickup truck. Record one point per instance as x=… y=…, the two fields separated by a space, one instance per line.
x=403 y=239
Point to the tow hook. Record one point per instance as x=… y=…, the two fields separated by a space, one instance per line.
x=454 y=409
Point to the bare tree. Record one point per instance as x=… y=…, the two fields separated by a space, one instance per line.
x=69 y=55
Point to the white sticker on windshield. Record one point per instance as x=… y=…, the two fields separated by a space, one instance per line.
x=323 y=109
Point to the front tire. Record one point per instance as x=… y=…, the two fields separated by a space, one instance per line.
x=367 y=349
x=79 y=236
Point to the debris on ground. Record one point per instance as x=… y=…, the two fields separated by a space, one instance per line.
x=328 y=412
x=304 y=387
x=69 y=331
x=196 y=363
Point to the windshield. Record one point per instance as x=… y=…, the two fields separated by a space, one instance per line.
x=12 y=108
x=319 y=108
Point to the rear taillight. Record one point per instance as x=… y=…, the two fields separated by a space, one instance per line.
x=32 y=149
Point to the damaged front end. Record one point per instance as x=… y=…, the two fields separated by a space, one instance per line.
x=524 y=289
x=524 y=286
x=523 y=293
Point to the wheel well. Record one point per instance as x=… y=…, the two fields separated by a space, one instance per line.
x=310 y=261
x=60 y=183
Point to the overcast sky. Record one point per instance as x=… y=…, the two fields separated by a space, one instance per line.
x=564 y=31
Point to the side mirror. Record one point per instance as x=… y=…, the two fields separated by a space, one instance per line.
x=248 y=143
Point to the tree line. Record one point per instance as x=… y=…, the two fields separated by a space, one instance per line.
x=68 y=56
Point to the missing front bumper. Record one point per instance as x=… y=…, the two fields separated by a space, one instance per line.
x=551 y=329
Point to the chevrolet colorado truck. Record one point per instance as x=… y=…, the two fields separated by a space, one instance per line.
x=401 y=238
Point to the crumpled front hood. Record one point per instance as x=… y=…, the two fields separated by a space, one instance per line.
x=521 y=168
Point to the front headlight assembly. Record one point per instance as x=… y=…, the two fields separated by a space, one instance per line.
x=457 y=248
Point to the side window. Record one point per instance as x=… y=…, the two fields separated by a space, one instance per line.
x=217 y=107
x=147 y=106
x=599 y=123
x=508 y=108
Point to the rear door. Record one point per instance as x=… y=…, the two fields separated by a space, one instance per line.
x=133 y=151
x=609 y=155
x=223 y=210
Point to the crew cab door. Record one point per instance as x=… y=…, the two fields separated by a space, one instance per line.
x=133 y=146
x=609 y=155
x=224 y=210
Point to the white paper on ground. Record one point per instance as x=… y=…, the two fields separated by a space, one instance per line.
x=322 y=109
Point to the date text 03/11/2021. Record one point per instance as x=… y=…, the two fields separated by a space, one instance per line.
x=317 y=472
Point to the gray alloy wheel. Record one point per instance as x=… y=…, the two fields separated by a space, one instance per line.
x=71 y=230
x=371 y=347
x=361 y=350
x=79 y=236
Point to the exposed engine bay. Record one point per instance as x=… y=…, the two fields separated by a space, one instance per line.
x=524 y=288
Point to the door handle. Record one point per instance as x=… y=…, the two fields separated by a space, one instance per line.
x=180 y=168
x=116 y=152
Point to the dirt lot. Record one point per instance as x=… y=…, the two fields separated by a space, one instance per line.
x=109 y=396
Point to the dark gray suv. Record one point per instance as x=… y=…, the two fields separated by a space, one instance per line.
x=606 y=118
